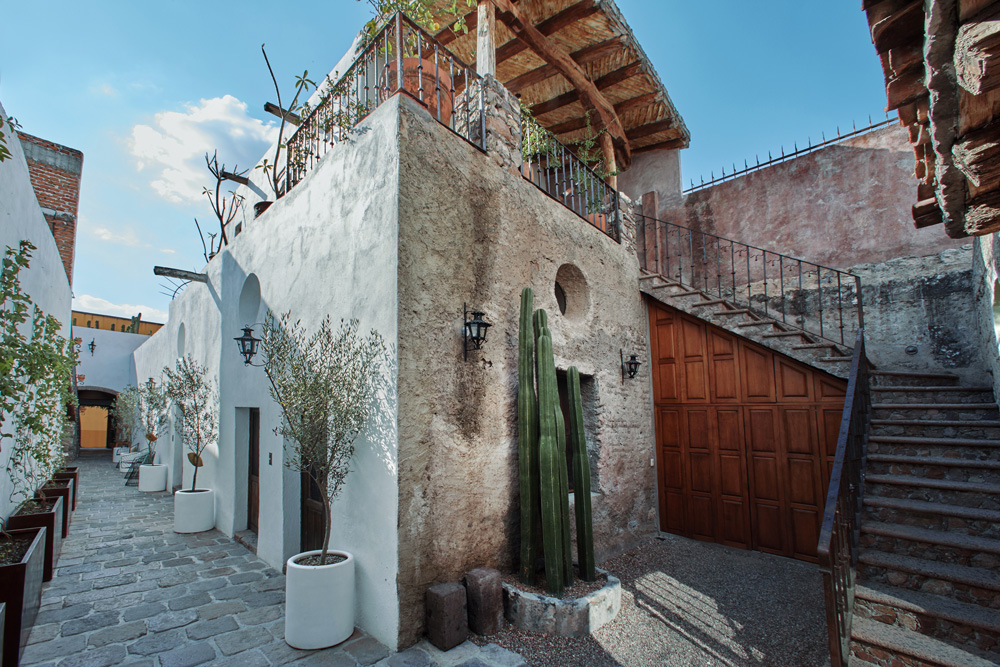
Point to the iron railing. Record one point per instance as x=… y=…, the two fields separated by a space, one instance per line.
x=819 y=300
x=558 y=172
x=838 y=537
x=401 y=57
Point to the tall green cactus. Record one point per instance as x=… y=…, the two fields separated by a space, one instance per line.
x=549 y=465
x=527 y=434
x=581 y=481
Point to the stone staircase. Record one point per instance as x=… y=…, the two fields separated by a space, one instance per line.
x=928 y=588
x=825 y=355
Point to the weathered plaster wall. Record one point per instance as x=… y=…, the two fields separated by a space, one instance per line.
x=111 y=366
x=985 y=273
x=326 y=248
x=473 y=231
x=45 y=279
x=655 y=171
x=842 y=205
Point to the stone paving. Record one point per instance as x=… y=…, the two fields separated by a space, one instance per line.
x=128 y=590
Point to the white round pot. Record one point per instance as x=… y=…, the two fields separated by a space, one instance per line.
x=153 y=477
x=194 y=511
x=319 y=602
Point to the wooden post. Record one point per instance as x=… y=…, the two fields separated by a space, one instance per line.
x=610 y=163
x=486 y=50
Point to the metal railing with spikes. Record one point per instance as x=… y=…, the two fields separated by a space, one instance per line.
x=816 y=299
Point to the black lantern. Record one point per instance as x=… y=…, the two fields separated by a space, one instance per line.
x=248 y=345
x=92 y=346
x=474 y=330
x=630 y=367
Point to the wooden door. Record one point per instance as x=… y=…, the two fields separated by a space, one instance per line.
x=745 y=437
x=253 y=481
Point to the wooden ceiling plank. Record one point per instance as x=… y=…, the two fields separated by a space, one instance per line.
x=903 y=27
x=673 y=144
x=602 y=83
x=549 y=26
x=584 y=56
x=621 y=109
x=654 y=128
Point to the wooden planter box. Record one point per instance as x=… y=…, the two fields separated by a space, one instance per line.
x=21 y=593
x=51 y=521
x=73 y=473
x=63 y=489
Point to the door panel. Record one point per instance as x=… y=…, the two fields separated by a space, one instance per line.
x=253 y=482
x=745 y=437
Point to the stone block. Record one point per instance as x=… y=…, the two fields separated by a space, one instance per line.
x=447 y=615
x=484 y=592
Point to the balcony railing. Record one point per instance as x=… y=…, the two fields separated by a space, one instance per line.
x=819 y=300
x=559 y=173
x=400 y=58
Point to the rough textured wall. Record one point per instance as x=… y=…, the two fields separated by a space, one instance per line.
x=473 y=232
x=985 y=273
x=655 y=171
x=56 y=171
x=846 y=204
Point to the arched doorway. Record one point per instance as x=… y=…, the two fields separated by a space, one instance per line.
x=96 y=424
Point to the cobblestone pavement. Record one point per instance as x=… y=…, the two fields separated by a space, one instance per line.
x=128 y=590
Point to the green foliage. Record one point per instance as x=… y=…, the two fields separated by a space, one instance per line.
x=326 y=384
x=36 y=364
x=581 y=481
x=536 y=141
x=153 y=402
x=193 y=393
x=420 y=12
x=125 y=411
x=527 y=436
x=12 y=126
x=272 y=171
x=589 y=151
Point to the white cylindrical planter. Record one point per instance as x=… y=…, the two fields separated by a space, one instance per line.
x=153 y=477
x=194 y=511
x=116 y=454
x=319 y=602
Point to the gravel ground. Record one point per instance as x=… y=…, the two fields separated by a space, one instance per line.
x=695 y=604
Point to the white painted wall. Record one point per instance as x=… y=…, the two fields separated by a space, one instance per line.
x=45 y=279
x=327 y=248
x=111 y=366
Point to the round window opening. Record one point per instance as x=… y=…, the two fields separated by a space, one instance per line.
x=572 y=295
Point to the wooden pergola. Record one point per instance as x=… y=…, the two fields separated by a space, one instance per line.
x=941 y=61
x=570 y=60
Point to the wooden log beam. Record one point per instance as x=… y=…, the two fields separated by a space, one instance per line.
x=180 y=274
x=606 y=81
x=621 y=108
x=584 y=56
x=909 y=86
x=549 y=26
x=903 y=27
x=978 y=156
x=589 y=93
x=660 y=126
x=977 y=53
x=926 y=213
x=275 y=110
x=486 y=50
x=673 y=144
x=236 y=178
x=983 y=216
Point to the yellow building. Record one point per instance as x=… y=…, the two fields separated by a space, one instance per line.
x=113 y=323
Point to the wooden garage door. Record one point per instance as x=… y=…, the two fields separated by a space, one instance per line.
x=745 y=437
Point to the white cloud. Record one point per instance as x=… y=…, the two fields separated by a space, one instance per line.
x=106 y=89
x=128 y=237
x=173 y=148
x=168 y=251
x=95 y=304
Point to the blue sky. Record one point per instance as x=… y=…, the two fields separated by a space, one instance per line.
x=144 y=89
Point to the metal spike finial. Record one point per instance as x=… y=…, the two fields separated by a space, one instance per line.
x=757 y=157
x=838 y=132
x=782 y=151
x=823 y=135
x=769 y=158
x=853 y=126
x=796 y=145
x=745 y=165
x=810 y=142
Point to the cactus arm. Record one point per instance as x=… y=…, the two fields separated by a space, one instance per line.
x=581 y=481
x=548 y=466
x=567 y=544
x=527 y=434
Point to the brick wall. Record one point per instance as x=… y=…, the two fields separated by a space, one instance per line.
x=55 y=176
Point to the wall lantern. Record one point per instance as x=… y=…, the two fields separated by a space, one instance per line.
x=92 y=346
x=80 y=379
x=630 y=367
x=474 y=331
x=247 y=345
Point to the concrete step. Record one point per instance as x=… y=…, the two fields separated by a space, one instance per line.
x=933 y=545
x=966 y=494
x=960 y=622
x=710 y=302
x=934 y=516
x=983 y=429
x=936 y=411
x=906 y=378
x=976 y=471
x=925 y=395
x=869 y=639
x=963 y=448
x=735 y=311
x=963 y=583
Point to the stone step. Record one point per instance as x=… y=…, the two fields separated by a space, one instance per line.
x=871 y=641
x=935 y=545
x=782 y=334
x=976 y=471
x=905 y=378
x=735 y=311
x=935 y=411
x=982 y=429
x=966 y=494
x=934 y=516
x=965 y=584
x=835 y=360
x=960 y=622
x=710 y=302
x=926 y=395
x=964 y=448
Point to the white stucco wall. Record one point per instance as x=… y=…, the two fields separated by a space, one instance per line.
x=111 y=366
x=326 y=248
x=45 y=279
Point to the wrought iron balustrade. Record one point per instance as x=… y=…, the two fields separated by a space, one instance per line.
x=821 y=301
x=838 y=539
x=401 y=57
x=558 y=172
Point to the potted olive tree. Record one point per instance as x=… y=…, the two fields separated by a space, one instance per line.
x=325 y=384
x=125 y=412
x=153 y=417
x=194 y=395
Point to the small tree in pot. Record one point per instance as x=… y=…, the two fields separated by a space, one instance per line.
x=196 y=399
x=125 y=412
x=152 y=417
x=325 y=384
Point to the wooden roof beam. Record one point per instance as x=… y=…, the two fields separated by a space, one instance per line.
x=549 y=26
x=903 y=27
x=584 y=56
x=673 y=144
x=552 y=53
x=654 y=128
x=605 y=81
x=621 y=108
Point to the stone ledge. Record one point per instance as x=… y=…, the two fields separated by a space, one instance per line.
x=565 y=618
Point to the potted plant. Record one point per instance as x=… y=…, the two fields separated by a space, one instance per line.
x=125 y=412
x=22 y=565
x=193 y=393
x=152 y=416
x=325 y=384
x=61 y=488
x=43 y=511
